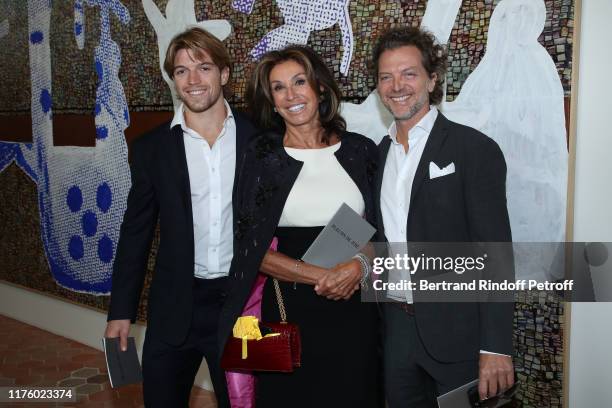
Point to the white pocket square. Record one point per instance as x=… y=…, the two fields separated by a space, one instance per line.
x=435 y=171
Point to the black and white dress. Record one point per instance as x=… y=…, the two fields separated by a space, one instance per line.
x=340 y=339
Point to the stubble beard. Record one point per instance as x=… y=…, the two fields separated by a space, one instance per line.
x=413 y=110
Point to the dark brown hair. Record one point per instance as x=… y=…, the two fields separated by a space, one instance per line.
x=433 y=55
x=197 y=39
x=259 y=92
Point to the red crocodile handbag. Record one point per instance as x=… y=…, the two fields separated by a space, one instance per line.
x=276 y=353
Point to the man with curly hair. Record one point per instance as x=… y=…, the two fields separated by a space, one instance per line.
x=440 y=182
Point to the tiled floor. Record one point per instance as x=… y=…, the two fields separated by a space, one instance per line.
x=33 y=357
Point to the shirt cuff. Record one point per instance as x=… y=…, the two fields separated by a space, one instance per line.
x=490 y=352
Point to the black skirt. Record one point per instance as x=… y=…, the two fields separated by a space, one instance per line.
x=340 y=343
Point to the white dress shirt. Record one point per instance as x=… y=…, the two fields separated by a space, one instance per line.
x=211 y=179
x=400 y=168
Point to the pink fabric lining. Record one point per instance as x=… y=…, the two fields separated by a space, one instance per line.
x=241 y=385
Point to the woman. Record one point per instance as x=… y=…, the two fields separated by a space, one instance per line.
x=293 y=179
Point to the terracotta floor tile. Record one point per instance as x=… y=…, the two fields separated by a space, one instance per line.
x=82 y=399
x=43 y=354
x=84 y=357
x=10 y=372
x=85 y=372
x=96 y=404
x=88 y=389
x=68 y=352
x=39 y=357
x=46 y=368
x=54 y=376
x=98 y=379
x=68 y=366
x=7 y=366
x=28 y=379
x=6 y=381
x=45 y=382
x=55 y=361
x=76 y=345
x=105 y=395
x=13 y=359
x=31 y=364
x=71 y=382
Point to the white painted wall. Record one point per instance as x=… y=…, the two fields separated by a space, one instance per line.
x=590 y=373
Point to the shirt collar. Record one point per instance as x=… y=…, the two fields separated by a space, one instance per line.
x=179 y=116
x=424 y=126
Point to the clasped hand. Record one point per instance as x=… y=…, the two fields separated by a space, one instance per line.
x=341 y=281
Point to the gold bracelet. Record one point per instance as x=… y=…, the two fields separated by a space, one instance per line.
x=298 y=267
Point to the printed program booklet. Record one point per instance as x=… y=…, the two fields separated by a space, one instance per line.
x=123 y=366
x=345 y=234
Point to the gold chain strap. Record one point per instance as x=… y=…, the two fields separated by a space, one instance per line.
x=279 y=299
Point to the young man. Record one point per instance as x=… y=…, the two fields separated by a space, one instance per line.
x=182 y=175
x=432 y=348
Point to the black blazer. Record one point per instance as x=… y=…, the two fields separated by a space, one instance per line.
x=160 y=190
x=265 y=181
x=466 y=206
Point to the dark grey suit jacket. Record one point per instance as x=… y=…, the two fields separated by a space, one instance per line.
x=466 y=206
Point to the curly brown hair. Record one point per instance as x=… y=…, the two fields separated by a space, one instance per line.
x=433 y=55
x=259 y=91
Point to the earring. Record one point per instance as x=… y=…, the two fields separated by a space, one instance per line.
x=275 y=109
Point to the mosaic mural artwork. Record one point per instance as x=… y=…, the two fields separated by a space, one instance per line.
x=145 y=89
x=301 y=18
x=538 y=350
x=509 y=72
x=81 y=191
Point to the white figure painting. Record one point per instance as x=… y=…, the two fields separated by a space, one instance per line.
x=369 y=118
x=439 y=18
x=515 y=96
x=180 y=14
x=302 y=17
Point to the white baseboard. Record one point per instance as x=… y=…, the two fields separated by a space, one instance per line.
x=69 y=320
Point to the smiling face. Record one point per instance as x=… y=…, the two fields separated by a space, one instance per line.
x=198 y=81
x=403 y=83
x=294 y=98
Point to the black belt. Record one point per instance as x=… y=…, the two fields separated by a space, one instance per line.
x=216 y=283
